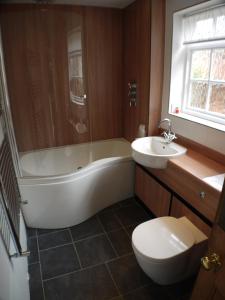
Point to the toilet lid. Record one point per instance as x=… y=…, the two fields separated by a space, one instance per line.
x=162 y=238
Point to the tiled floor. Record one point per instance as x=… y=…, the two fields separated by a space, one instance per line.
x=94 y=260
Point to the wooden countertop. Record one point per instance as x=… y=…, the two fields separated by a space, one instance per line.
x=201 y=167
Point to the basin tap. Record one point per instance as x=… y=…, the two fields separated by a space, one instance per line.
x=168 y=134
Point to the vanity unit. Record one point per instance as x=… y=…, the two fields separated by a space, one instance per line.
x=189 y=186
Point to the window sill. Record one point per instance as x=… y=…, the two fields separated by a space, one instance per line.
x=194 y=119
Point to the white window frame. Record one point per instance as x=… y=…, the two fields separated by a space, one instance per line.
x=200 y=113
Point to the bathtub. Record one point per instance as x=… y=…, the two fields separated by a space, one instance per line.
x=65 y=186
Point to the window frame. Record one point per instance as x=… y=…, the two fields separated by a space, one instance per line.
x=185 y=108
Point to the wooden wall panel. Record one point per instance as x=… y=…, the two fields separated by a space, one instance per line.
x=25 y=41
x=143 y=62
x=118 y=49
x=65 y=113
x=35 y=44
x=36 y=60
x=157 y=64
x=136 y=65
x=103 y=29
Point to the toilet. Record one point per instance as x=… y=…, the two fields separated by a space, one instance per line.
x=168 y=249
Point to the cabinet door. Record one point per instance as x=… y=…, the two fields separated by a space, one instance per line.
x=178 y=210
x=154 y=196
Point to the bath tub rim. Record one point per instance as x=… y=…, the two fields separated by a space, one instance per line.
x=93 y=166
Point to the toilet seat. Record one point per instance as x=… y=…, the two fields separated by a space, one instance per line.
x=162 y=238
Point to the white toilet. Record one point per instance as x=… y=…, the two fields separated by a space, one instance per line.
x=168 y=249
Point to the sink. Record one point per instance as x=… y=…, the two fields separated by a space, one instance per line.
x=154 y=152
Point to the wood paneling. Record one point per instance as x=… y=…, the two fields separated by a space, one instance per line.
x=59 y=22
x=143 y=62
x=119 y=46
x=36 y=59
x=24 y=41
x=65 y=114
x=157 y=64
x=155 y=197
x=179 y=209
x=103 y=38
x=136 y=65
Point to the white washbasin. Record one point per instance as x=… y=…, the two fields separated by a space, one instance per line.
x=153 y=152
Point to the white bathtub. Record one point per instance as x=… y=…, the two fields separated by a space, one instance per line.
x=66 y=185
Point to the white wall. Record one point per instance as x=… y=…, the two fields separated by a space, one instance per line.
x=202 y=134
x=14 y=284
x=13 y=273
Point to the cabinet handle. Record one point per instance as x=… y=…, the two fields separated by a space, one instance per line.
x=202 y=195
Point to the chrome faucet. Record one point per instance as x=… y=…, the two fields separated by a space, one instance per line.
x=168 y=134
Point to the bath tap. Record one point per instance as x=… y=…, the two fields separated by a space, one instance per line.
x=168 y=134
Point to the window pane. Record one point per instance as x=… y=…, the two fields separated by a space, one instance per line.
x=198 y=95
x=200 y=64
x=220 y=26
x=217 y=98
x=218 y=64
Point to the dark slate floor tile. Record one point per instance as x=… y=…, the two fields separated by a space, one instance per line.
x=149 y=292
x=181 y=290
x=33 y=248
x=36 y=290
x=90 y=284
x=54 y=239
x=111 y=208
x=94 y=250
x=185 y=297
x=127 y=274
x=130 y=229
x=31 y=232
x=58 y=261
x=45 y=231
x=127 y=202
x=132 y=214
x=109 y=221
x=121 y=241
x=86 y=229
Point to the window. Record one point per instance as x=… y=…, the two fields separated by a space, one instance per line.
x=199 y=62
x=205 y=90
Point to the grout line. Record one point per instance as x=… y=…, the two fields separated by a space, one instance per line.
x=114 y=249
x=124 y=228
x=81 y=240
x=75 y=250
x=88 y=237
x=130 y=237
x=116 y=286
x=39 y=256
x=89 y=267
x=54 y=231
x=54 y=247
x=33 y=263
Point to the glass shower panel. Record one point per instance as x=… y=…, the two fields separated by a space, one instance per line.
x=76 y=80
x=44 y=60
x=77 y=89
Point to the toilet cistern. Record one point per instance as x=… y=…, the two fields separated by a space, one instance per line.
x=169 y=136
